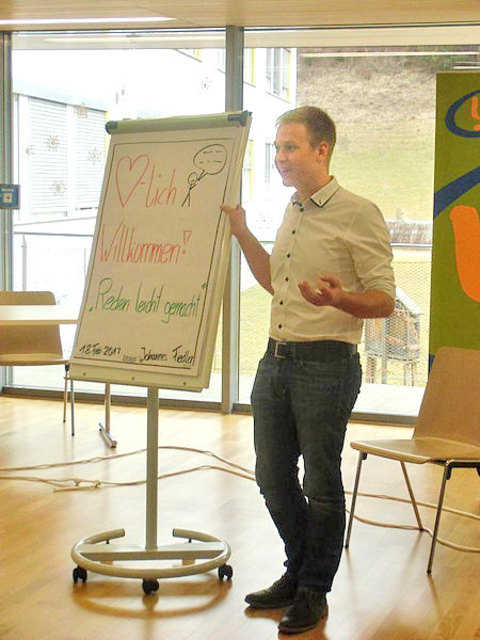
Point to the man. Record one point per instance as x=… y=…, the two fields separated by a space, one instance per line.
x=330 y=267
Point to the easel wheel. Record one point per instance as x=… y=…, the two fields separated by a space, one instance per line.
x=150 y=586
x=225 y=571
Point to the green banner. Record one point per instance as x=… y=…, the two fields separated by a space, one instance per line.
x=455 y=302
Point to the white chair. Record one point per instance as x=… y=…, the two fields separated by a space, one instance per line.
x=34 y=345
x=447 y=431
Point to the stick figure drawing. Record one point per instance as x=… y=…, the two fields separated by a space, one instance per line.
x=210 y=161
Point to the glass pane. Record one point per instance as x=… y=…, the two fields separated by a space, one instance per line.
x=66 y=87
x=383 y=103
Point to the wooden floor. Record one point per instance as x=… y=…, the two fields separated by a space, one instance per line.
x=381 y=591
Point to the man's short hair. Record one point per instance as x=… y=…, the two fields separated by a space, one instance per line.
x=319 y=124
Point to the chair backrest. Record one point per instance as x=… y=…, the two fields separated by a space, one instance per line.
x=451 y=404
x=32 y=339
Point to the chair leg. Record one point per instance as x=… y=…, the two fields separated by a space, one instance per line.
x=72 y=401
x=412 y=497
x=361 y=457
x=72 y=408
x=446 y=475
x=65 y=394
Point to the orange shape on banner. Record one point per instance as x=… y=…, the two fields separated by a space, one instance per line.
x=475 y=113
x=466 y=231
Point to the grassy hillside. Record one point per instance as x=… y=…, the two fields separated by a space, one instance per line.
x=384 y=109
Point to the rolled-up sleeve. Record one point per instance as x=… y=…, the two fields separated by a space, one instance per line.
x=368 y=241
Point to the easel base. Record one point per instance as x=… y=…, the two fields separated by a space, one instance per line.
x=210 y=552
x=107 y=436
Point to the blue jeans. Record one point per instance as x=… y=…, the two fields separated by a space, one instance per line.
x=301 y=408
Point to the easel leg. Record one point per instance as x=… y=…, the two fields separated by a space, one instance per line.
x=105 y=430
x=152 y=469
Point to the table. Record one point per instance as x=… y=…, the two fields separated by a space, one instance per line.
x=37 y=314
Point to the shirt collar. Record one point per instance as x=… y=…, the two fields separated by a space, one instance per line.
x=322 y=196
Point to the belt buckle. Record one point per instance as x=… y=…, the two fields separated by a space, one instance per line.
x=276 y=352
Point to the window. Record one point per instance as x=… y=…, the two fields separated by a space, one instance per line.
x=278 y=72
x=249 y=66
x=269 y=163
x=383 y=102
x=221 y=60
x=57 y=182
x=63 y=99
x=247 y=173
x=381 y=97
x=193 y=53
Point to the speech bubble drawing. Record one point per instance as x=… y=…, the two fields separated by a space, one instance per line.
x=210 y=160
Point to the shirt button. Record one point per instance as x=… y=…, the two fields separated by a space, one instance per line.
x=288 y=255
x=279 y=326
x=286 y=279
x=281 y=302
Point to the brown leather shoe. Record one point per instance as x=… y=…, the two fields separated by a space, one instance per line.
x=308 y=608
x=280 y=594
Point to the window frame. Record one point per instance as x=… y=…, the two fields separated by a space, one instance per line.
x=395 y=35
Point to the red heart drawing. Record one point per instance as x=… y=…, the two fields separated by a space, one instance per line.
x=128 y=176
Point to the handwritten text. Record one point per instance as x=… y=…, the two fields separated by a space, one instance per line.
x=138 y=179
x=121 y=246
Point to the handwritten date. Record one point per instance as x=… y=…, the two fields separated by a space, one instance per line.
x=96 y=349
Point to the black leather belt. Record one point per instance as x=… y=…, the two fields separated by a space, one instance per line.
x=317 y=350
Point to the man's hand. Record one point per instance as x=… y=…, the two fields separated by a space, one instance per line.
x=257 y=257
x=330 y=293
x=327 y=292
x=238 y=219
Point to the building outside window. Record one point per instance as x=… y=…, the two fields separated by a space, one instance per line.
x=248 y=173
x=269 y=163
x=249 y=70
x=57 y=182
x=193 y=53
x=278 y=72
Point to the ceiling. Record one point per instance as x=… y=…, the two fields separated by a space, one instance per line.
x=248 y=13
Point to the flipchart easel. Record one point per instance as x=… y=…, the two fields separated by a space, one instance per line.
x=142 y=349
